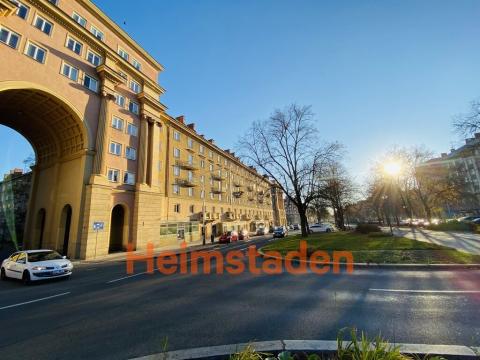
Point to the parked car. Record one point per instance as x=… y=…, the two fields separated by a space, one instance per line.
x=296 y=227
x=243 y=235
x=280 y=232
x=468 y=218
x=34 y=265
x=262 y=231
x=290 y=227
x=228 y=237
x=323 y=227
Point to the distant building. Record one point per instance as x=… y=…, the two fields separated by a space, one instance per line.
x=14 y=195
x=291 y=212
x=467 y=160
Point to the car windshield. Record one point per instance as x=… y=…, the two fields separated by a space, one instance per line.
x=44 y=256
x=278 y=228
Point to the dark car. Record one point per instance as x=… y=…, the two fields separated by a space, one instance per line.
x=279 y=232
x=296 y=227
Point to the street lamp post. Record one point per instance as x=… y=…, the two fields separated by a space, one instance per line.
x=203 y=213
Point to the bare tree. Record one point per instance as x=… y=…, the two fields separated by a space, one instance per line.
x=468 y=123
x=287 y=148
x=337 y=189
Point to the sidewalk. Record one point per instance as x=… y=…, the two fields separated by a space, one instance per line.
x=121 y=256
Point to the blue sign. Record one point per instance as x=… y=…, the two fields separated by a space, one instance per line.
x=98 y=225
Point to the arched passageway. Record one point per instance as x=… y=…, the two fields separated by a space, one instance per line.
x=117 y=229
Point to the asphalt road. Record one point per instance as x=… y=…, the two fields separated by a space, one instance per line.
x=464 y=241
x=102 y=313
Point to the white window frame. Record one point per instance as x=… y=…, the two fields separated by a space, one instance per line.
x=176 y=189
x=132 y=126
x=79 y=19
x=190 y=143
x=123 y=53
x=176 y=135
x=94 y=55
x=136 y=64
x=190 y=191
x=128 y=178
x=43 y=23
x=91 y=82
x=176 y=153
x=10 y=33
x=130 y=153
x=115 y=121
x=69 y=71
x=96 y=32
x=117 y=148
x=120 y=100
x=135 y=86
x=113 y=175
x=21 y=5
x=37 y=48
x=75 y=42
x=176 y=170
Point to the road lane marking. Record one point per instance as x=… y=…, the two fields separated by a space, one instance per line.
x=126 y=277
x=34 y=301
x=429 y=291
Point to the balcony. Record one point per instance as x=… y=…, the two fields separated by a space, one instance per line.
x=247 y=217
x=257 y=217
x=230 y=216
x=218 y=177
x=208 y=216
x=186 y=182
x=186 y=165
x=237 y=194
x=218 y=191
x=216 y=216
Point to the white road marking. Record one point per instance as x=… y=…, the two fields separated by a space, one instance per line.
x=429 y=291
x=126 y=277
x=34 y=301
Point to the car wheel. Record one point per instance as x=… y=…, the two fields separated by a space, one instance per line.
x=3 y=275
x=26 y=277
x=328 y=230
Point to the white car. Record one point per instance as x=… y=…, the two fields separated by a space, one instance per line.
x=32 y=265
x=321 y=228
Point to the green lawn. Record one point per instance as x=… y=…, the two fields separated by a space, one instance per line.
x=384 y=249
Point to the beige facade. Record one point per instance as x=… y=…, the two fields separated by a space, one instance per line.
x=112 y=166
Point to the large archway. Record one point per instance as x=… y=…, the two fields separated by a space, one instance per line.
x=59 y=139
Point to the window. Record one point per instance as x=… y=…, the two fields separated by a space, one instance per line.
x=117 y=123
x=192 y=209
x=22 y=10
x=79 y=19
x=90 y=83
x=123 y=75
x=202 y=194
x=132 y=129
x=113 y=175
x=130 y=153
x=201 y=149
x=134 y=86
x=176 y=171
x=70 y=72
x=202 y=179
x=176 y=189
x=190 y=191
x=190 y=159
x=210 y=167
x=129 y=178
x=176 y=153
x=36 y=52
x=136 y=64
x=115 y=148
x=93 y=58
x=74 y=45
x=133 y=107
x=120 y=100
x=97 y=33
x=210 y=154
x=9 y=37
x=54 y=2
x=43 y=25
x=176 y=208
x=123 y=54
x=202 y=164
x=176 y=135
x=190 y=143
x=211 y=195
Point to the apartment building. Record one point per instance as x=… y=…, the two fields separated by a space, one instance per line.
x=113 y=167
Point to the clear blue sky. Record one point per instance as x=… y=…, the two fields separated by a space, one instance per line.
x=377 y=73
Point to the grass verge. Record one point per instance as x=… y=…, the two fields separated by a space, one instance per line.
x=379 y=249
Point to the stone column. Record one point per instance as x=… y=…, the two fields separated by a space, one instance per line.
x=103 y=130
x=143 y=149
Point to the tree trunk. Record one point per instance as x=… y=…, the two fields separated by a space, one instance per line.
x=303 y=221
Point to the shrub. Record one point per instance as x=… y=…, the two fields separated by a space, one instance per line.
x=367 y=228
x=453 y=226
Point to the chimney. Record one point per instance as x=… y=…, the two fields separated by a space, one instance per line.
x=211 y=141
x=227 y=151
x=181 y=119
x=191 y=126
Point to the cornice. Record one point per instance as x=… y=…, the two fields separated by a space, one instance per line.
x=7 y=8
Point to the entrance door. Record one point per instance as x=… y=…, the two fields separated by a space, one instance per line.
x=65 y=221
x=116 y=229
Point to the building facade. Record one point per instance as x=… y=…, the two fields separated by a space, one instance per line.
x=464 y=162
x=113 y=168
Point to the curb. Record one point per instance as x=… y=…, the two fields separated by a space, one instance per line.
x=388 y=266
x=313 y=346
